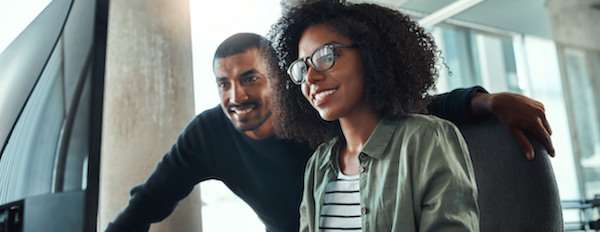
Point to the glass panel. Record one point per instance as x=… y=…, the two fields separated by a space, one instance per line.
x=497 y=65
x=587 y=135
x=510 y=66
x=457 y=53
x=545 y=85
x=27 y=162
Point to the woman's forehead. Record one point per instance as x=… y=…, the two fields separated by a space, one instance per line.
x=317 y=36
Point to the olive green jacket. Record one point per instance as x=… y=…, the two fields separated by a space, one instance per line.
x=416 y=175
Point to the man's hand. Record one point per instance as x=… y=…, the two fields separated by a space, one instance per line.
x=518 y=114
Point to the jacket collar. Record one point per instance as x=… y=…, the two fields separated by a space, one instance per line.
x=380 y=138
x=375 y=146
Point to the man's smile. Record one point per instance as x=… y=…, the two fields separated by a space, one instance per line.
x=242 y=110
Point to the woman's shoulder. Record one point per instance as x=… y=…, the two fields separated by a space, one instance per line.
x=322 y=153
x=324 y=149
x=425 y=133
x=416 y=124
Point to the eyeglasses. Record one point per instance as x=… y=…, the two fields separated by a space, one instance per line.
x=321 y=60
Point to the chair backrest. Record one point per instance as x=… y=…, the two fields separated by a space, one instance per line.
x=515 y=194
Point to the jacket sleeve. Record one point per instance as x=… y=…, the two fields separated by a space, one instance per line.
x=456 y=105
x=446 y=183
x=173 y=179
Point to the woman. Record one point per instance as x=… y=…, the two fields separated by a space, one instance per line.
x=357 y=74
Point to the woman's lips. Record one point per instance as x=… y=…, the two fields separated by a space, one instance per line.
x=321 y=97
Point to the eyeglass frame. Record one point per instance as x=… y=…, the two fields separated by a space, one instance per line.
x=309 y=58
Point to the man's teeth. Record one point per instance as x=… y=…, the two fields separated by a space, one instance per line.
x=323 y=94
x=237 y=111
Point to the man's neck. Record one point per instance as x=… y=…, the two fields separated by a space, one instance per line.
x=262 y=132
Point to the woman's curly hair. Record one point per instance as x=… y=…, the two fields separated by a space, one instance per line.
x=399 y=63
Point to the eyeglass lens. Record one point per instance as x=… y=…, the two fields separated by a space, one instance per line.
x=297 y=71
x=321 y=60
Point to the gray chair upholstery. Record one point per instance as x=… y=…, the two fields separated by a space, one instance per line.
x=515 y=194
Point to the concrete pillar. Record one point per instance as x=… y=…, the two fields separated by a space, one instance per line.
x=148 y=100
x=575 y=23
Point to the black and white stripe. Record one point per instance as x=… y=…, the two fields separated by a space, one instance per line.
x=341 y=206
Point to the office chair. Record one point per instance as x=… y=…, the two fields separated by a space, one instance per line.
x=515 y=194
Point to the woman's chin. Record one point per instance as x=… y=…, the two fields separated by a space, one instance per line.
x=327 y=117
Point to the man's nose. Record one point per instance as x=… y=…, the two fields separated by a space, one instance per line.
x=238 y=94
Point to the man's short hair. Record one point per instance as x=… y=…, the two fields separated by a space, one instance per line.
x=239 y=43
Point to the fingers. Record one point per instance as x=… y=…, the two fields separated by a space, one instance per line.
x=519 y=114
x=543 y=135
x=542 y=131
x=542 y=116
x=523 y=142
x=546 y=124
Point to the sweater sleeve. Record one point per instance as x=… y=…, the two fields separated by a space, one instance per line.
x=307 y=206
x=173 y=179
x=456 y=105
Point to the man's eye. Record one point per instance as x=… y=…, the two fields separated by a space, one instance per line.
x=251 y=79
x=222 y=85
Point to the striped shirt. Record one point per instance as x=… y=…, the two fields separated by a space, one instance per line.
x=341 y=206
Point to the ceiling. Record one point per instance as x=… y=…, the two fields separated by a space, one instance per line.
x=522 y=16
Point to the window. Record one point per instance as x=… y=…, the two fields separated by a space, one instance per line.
x=529 y=65
x=586 y=130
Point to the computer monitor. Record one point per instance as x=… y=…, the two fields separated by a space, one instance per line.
x=51 y=90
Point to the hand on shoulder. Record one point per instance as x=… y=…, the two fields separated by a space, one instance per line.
x=517 y=114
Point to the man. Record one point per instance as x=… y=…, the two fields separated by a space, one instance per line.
x=235 y=143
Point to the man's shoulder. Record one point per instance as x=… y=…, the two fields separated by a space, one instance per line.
x=212 y=113
x=211 y=117
x=207 y=121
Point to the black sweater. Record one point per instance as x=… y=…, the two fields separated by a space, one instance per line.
x=267 y=174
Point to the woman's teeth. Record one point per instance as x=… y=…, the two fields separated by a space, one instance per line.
x=323 y=94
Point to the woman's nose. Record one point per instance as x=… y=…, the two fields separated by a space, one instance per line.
x=312 y=75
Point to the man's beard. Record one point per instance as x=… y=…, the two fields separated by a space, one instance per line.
x=259 y=121
x=248 y=124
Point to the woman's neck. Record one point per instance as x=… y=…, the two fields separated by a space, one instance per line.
x=356 y=130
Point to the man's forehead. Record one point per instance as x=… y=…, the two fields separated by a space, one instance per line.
x=250 y=59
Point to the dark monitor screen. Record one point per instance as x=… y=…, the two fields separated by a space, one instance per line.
x=51 y=90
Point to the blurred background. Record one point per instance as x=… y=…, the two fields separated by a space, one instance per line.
x=547 y=50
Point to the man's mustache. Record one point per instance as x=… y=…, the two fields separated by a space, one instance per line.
x=248 y=103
